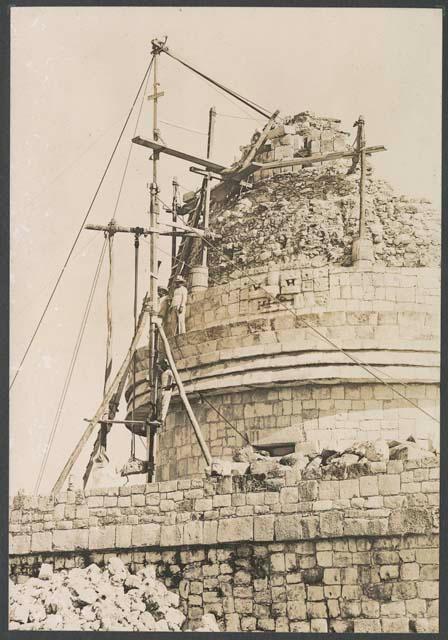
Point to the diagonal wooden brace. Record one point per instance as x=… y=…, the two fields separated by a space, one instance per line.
x=117 y=383
x=184 y=397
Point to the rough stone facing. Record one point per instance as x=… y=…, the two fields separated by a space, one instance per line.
x=285 y=568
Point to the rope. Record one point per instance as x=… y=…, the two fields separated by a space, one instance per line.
x=104 y=428
x=178 y=126
x=211 y=405
x=250 y=103
x=72 y=248
x=108 y=367
x=252 y=386
x=134 y=363
x=323 y=336
x=131 y=145
x=227 y=115
x=71 y=368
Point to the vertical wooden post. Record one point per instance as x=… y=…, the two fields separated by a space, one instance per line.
x=153 y=277
x=361 y=145
x=174 y=217
x=210 y=140
x=180 y=386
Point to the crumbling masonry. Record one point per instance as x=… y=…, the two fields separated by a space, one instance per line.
x=343 y=544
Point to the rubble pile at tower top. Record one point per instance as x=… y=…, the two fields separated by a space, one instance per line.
x=309 y=215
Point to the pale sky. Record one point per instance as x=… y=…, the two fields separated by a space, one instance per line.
x=75 y=72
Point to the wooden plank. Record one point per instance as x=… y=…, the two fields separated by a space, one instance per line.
x=260 y=141
x=159 y=148
x=117 y=384
x=180 y=387
x=318 y=157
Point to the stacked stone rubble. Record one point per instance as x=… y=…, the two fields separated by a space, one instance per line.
x=311 y=212
x=95 y=599
x=340 y=544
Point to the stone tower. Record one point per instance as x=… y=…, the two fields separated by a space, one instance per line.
x=267 y=341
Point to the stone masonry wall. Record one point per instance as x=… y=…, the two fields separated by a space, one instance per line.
x=327 y=414
x=290 y=553
x=266 y=370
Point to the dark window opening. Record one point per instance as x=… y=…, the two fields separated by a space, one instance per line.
x=277 y=449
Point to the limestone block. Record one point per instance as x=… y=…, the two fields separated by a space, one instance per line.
x=145 y=535
x=316 y=610
x=203 y=504
x=329 y=490
x=236 y=529
x=264 y=528
x=289 y=495
x=102 y=537
x=389 y=484
x=368 y=486
x=288 y=527
x=296 y=610
x=70 y=539
x=367 y=626
x=331 y=523
x=427 y=556
x=410 y=520
x=389 y=572
x=193 y=532
x=307 y=490
x=19 y=544
x=332 y=576
x=310 y=526
x=123 y=536
x=349 y=488
x=210 y=532
x=41 y=541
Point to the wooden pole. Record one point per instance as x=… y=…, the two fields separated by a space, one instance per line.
x=121 y=374
x=210 y=139
x=361 y=148
x=153 y=277
x=184 y=397
x=174 y=214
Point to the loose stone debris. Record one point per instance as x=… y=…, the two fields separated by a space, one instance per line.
x=307 y=216
x=308 y=461
x=95 y=599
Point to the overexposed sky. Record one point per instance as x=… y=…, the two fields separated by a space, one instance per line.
x=74 y=74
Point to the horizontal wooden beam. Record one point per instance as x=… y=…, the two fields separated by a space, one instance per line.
x=318 y=157
x=129 y=422
x=159 y=148
x=181 y=230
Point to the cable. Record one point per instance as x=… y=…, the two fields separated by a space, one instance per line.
x=227 y=115
x=178 y=126
x=71 y=368
x=69 y=166
x=131 y=144
x=72 y=248
x=211 y=405
x=368 y=368
x=28 y=306
x=250 y=103
x=321 y=335
x=134 y=360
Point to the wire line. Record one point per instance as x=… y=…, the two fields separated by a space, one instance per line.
x=72 y=248
x=71 y=367
x=321 y=335
x=250 y=103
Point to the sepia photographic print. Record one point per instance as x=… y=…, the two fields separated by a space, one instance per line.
x=225 y=296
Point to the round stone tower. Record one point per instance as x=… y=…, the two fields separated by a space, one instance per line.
x=268 y=343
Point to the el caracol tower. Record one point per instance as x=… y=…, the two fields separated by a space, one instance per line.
x=297 y=331
x=311 y=333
